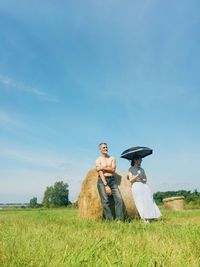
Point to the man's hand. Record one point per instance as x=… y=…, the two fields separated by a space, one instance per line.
x=108 y=190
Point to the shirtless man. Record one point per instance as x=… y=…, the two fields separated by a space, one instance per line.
x=106 y=166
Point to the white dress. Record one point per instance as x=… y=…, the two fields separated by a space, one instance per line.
x=143 y=197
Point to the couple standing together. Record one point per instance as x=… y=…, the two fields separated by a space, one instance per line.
x=106 y=166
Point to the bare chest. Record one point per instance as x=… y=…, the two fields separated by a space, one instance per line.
x=106 y=162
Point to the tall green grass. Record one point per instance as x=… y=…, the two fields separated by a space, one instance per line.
x=57 y=238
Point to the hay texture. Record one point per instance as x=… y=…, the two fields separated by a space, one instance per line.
x=89 y=203
x=174 y=203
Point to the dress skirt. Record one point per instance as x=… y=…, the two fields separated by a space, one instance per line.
x=144 y=201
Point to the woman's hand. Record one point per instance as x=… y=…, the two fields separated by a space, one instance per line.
x=144 y=181
x=134 y=178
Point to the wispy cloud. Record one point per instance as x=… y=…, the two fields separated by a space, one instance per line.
x=32 y=171
x=7 y=118
x=22 y=184
x=11 y=83
x=36 y=159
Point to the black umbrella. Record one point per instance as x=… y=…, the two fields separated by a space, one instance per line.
x=137 y=151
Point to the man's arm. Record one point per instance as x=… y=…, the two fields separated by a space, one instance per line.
x=112 y=168
x=103 y=179
x=100 y=171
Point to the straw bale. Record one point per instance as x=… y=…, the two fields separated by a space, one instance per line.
x=89 y=203
x=174 y=203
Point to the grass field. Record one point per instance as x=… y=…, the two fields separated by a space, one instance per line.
x=56 y=238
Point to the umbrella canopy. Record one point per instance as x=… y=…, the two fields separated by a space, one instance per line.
x=137 y=151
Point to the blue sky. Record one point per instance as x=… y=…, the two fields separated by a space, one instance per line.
x=76 y=73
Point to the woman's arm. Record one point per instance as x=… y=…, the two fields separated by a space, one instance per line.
x=144 y=180
x=132 y=178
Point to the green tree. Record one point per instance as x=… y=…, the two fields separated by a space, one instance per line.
x=56 y=195
x=33 y=202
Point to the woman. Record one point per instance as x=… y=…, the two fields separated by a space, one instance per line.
x=142 y=195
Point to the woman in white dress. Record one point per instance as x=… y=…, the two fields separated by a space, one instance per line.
x=142 y=195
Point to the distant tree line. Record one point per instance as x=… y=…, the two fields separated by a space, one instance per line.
x=58 y=196
x=54 y=196
x=193 y=197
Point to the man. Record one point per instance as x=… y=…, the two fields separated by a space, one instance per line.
x=106 y=166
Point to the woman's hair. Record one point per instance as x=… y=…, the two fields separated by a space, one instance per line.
x=134 y=160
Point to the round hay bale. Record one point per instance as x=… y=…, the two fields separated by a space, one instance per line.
x=174 y=203
x=89 y=203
